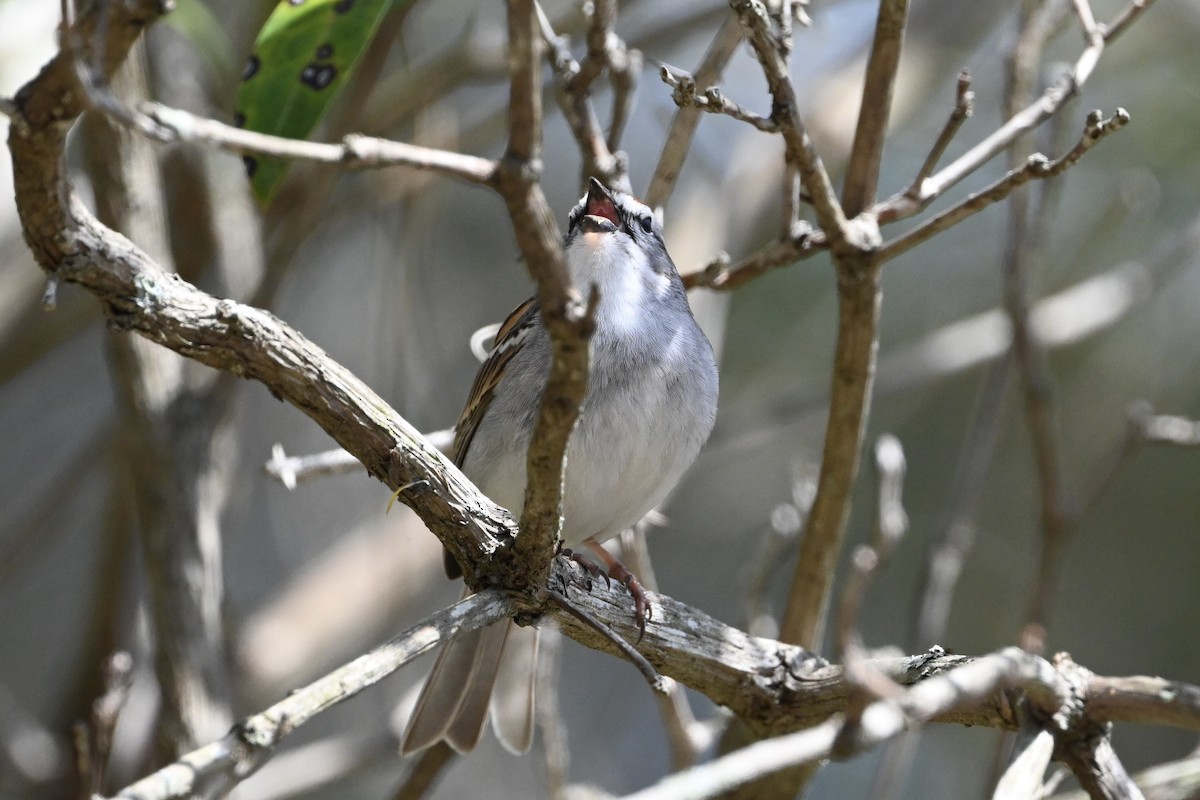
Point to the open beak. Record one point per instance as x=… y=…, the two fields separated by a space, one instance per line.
x=599 y=211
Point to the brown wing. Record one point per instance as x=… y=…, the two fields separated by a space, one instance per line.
x=508 y=342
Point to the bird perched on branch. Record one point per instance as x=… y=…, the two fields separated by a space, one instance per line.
x=650 y=405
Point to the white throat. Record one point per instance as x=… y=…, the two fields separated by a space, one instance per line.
x=619 y=270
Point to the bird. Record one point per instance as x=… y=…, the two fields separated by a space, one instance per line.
x=650 y=405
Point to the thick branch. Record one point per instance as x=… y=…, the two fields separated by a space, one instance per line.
x=565 y=318
x=72 y=246
x=777 y=687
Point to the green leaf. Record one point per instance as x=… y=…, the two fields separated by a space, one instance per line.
x=300 y=61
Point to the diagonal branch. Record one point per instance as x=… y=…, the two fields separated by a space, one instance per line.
x=781 y=688
x=686 y=119
x=1036 y=167
x=212 y=770
x=862 y=170
x=785 y=110
x=902 y=205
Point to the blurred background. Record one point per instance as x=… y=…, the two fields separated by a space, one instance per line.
x=391 y=271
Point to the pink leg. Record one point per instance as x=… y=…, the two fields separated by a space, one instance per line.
x=621 y=574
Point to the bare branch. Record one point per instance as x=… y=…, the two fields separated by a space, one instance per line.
x=720 y=275
x=167 y=124
x=901 y=205
x=960 y=688
x=964 y=106
x=711 y=100
x=1036 y=167
x=573 y=82
x=683 y=125
x=294 y=470
x=215 y=768
x=756 y=25
x=862 y=170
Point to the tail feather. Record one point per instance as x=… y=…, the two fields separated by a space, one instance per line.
x=513 y=698
x=463 y=731
x=497 y=663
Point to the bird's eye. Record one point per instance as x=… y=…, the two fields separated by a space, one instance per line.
x=647 y=223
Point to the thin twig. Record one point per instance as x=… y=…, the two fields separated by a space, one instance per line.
x=756 y=26
x=964 y=106
x=167 y=124
x=901 y=205
x=686 y=119
x=1036 y=167
x=891 y=523
x=720 y=275
x=294 y=470
x=626 y=649
x=215 y=768
x=685 y=94
x=573 y=82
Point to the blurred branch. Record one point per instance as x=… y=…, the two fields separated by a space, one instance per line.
x=215 y=768
x=176 y=444
x=94 y=739
x=294 y=470
x=1031 y=754
x=1036 y=25
x=1167 y=429
x=1071 y=315
x=903 y=205
x=891 y=523
x=1173 y=780
x=556 y=755
x=1036 y=167
x=426 y=769
x=862 y=170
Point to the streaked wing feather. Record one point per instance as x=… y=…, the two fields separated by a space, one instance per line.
x=508 y=344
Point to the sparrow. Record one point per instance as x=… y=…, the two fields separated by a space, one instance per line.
x=650 y=405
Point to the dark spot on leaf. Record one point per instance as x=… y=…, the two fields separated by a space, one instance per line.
x=318 y=76
x=239 y=119
x=251 y=164
x=343 y=6
x=251 y=69
x=324 y=51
